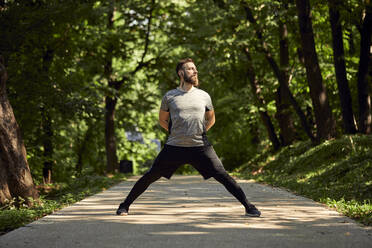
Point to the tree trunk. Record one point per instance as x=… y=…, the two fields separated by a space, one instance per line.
x=260 y=103
x=340 y=68
x=46 y=123
x=112 y=160
x=323 y=115
x=82 y=146
x=15 y=176
x=283 y=104
x=364 y=60
x=48 y=145
x=110 y=101
x=302 y=116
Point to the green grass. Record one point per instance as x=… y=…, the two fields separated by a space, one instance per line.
x=337 y=172
x=58 y=196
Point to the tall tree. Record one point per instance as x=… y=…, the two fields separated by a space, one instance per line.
x=47 y=139
x=255 y=88
x=15 y=176
x=325 y=125
x=340 y=68
x=46 y=119
x=364 y=98
x=283 y=93
x=284 y=97
x=283 y=115
x=110 y=101
x=40 y=46
x=114 y=82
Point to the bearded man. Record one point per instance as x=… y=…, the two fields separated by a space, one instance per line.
x=187 y=114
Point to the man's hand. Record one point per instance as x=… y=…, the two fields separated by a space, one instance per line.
x=164 y=119
x=211 y=119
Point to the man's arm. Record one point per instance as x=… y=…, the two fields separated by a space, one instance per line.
x=211 y=119
x=164 y=119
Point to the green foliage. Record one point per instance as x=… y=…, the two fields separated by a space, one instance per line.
x=16 y=214
x=57 y=55
x=336 y=171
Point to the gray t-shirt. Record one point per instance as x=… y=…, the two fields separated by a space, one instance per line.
x=187 y=114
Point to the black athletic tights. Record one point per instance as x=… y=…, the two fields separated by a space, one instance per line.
x=148 y=178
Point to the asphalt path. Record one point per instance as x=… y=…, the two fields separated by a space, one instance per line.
x=188 y=211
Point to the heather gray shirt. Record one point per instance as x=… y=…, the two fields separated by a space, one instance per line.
x=187 y=114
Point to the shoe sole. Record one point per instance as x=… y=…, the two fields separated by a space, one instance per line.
x=253 y=215
x=122 y=214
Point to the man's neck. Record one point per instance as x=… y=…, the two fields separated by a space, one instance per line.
x=186 y=86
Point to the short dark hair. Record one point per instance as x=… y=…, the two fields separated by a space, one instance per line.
x=182 y=62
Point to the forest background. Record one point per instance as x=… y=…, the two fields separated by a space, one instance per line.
x=84 y=80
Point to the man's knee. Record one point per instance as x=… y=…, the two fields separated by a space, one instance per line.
x=150 y=176
x=221 y=173
x=223 y=176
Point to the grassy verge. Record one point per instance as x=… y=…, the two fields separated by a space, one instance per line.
x=54 y=197
x=337 y=173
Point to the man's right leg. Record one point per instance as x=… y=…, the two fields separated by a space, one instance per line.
x=139 y=187
x=165 y=164
x=230 y=184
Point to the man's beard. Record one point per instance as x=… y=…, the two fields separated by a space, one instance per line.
x=192 y=80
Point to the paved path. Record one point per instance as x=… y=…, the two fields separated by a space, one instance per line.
x=189 y=212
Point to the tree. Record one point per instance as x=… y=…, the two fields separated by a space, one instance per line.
x=365 y=119
x=40 y=41
x=58 y=54
x=283 y=92
x=340 y=68
x=255 y=88
x=284 y=97
x=83 y=73
x=283 y=114
x=325 y=125
x=15 y=176
x=115 y=83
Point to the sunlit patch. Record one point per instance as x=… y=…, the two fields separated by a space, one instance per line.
x=177 y=233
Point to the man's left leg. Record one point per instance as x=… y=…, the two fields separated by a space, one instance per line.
x=139 y=187
x=230 y=184
x=208 y=164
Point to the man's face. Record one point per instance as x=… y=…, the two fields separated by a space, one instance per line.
x=190 y=74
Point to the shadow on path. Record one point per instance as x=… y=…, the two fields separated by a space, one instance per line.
x=187 y=211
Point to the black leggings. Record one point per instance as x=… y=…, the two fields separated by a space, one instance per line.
x=223 y=177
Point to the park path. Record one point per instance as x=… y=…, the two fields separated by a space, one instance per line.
x=187 y=211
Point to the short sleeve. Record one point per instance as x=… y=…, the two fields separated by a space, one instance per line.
x=209 y=105
x=164 y=104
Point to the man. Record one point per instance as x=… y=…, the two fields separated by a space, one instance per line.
x=187 y=114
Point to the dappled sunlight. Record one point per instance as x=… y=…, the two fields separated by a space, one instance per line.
x=195 y=213
x=177 y=233
x=171 y=203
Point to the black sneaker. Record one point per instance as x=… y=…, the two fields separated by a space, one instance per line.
x=252 y=211
x=122 y=210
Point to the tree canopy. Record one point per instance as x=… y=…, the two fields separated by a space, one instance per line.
x=84 y=74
